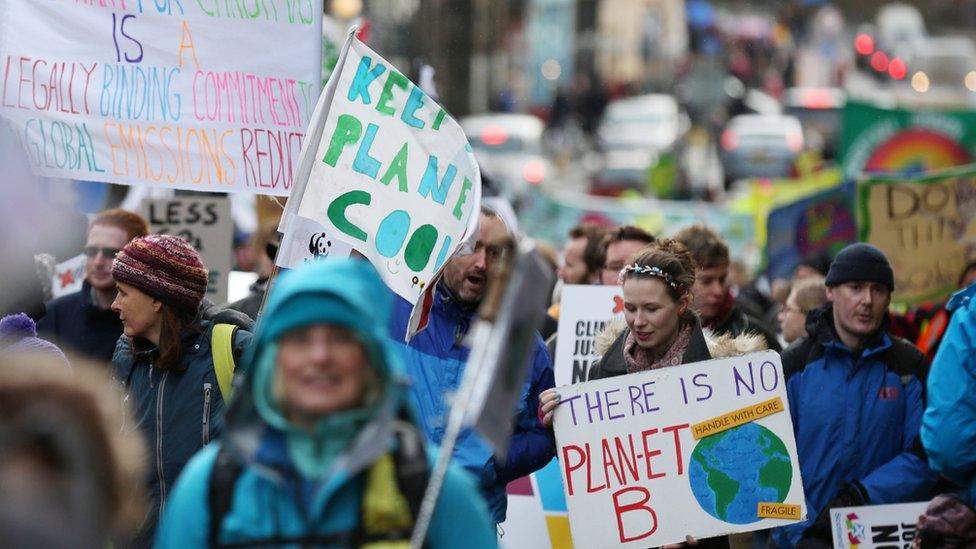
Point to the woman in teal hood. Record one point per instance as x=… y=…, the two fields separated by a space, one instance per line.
x=320 y=449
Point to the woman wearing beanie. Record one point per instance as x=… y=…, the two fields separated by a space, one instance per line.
x=164 y=358
x=321 y=450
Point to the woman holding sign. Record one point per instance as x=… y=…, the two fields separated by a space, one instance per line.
x=661 y=331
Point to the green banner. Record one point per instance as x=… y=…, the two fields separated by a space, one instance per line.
x=888 y=141
x=925 y=225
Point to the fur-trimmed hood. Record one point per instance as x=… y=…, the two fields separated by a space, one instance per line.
x=80 y=413
x=719 y=346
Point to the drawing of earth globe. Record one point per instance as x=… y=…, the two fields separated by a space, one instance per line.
x=733 y=471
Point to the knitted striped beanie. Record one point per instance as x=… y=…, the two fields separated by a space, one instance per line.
x=165 y=267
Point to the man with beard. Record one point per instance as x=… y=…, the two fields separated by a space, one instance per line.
x=435 y=360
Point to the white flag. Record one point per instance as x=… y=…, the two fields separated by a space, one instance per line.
x=390 y=173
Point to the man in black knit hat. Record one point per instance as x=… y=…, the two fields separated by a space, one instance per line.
x=856 y=397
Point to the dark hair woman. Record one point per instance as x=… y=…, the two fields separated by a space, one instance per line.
x=165 y=360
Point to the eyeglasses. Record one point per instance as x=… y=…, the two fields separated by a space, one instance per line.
x=492 y=251
x=108 y=253
x=787 y=309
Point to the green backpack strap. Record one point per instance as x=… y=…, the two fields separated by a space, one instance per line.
x=222 y=349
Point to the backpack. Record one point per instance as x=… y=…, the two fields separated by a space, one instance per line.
x=410 y=476
x=222 y=352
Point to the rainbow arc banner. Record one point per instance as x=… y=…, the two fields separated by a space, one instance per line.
x=877 y=140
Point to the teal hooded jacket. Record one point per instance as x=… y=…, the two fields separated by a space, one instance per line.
x=297 y=483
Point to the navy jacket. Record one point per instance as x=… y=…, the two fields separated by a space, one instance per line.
x=75 y=323
x=178 y=411
x=856 y=418
x=435 y=360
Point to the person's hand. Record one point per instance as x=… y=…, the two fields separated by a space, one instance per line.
x=689 y=540
x=548 y=401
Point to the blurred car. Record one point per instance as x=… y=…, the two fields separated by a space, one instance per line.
x=819 y=112
x=941 y=72
x=900 y=27
x=623 y=170
x=651 y=122
x=760 y=145
x=509 y=150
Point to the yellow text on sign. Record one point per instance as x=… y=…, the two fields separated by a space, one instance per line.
x=737 y=417
x=786 y=511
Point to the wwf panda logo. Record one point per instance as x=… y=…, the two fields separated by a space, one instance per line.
x=319 y=245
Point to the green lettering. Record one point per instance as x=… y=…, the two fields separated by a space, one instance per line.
x=394 y=79
x=419 y=247
x=462 y=198
x=438 y=119
x=348 y=131
x=337 y=212
x=398 y=169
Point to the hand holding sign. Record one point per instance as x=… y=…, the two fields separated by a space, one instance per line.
x=716 y=437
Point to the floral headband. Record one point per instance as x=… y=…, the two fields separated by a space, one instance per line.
x=648 y=270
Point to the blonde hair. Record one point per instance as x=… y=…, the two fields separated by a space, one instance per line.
x=810 y=293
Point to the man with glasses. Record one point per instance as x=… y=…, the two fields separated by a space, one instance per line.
x=618 y=245
x=83 y=321
x=435 y=359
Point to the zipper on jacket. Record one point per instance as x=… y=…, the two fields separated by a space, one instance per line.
x=207 y=389
x=159 y=443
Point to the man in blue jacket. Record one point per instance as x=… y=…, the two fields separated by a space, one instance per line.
x=856 y=397
x=436 y=358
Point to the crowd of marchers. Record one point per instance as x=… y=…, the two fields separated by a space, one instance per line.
x=138 y=413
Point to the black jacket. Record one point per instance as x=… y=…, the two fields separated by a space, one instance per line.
x=75 y=323
x=738 y=323
x=613 y=364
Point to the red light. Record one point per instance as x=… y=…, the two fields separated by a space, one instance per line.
x=493 y=135
x=818 y=99
x=534 y=172
x=864 y=44
x=897 y=69
x=729 y=140
x=879 y=61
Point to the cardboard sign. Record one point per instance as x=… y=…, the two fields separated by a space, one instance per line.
x=207 y=225
x=392 y=174
x=584 y=312
x=876 y=525
x=926 y=226
x=702 y=449
x=824 y=222
x=69 y=276
x=204 y=95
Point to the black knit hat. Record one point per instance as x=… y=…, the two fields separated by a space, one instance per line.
x=862 y=263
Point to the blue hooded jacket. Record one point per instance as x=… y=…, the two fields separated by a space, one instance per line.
x=275 y=496
x=856 y=419
x=949 y=423
x=435 y=360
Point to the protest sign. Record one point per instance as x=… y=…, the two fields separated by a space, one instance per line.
x=822 y=223
x=875 y=525
x=701 y=449
x=926 y=226
x=163 y=93
x=584 y=313
x=877 y=140
x=207 y=225
x=392 y=174
x=69 y=276
x=309 y=241
x=550 y=215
